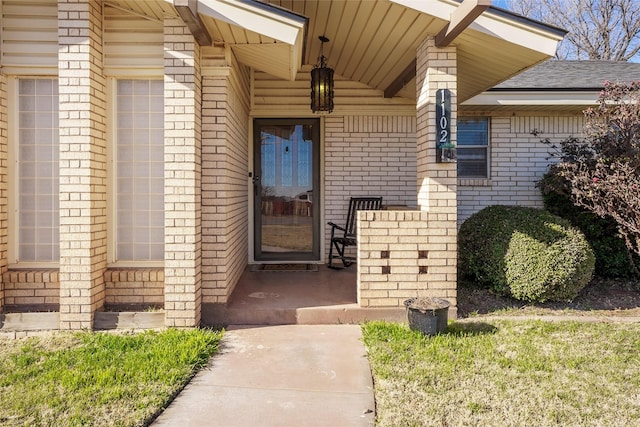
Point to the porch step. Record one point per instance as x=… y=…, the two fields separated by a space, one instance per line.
x=336 y=314
x=319 y=315
x=324 y=296
x=50 y=321
x=109 y=320
x=28 y=322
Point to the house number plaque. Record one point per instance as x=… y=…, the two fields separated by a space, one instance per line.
x=445 y=150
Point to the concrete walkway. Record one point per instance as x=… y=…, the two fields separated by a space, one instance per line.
x=288 y=375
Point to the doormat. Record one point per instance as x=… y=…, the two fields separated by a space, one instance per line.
x=284 y=267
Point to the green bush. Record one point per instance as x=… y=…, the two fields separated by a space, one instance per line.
x=609 y=248
x=526 y=253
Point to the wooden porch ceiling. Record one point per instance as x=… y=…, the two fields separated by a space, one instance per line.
x=374 y=42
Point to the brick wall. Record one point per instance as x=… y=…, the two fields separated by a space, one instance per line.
x=134 y=288
x=3 y=183
x=518 y=161
x=405 y=254
x=82 y=162
x=368 y=156
x=182 y=157
x=272 y=97
x=37 y=289
x=224 y=180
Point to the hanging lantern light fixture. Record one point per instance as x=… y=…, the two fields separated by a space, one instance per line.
x=322 y=83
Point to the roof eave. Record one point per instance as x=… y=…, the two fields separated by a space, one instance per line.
x=577 y=97
x=498 y=23
x=283 y=26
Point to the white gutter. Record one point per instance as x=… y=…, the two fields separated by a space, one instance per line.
x=539 y=98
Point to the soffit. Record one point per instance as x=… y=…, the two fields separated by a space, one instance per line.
x=484 y=62
x=153 y=9
x=260 y=36
x=373 y=41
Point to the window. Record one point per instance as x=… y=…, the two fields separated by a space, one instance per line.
x=473 y=147
x=139 y=170
x=35 y=172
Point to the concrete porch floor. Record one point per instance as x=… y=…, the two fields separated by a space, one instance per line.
x=297 y=297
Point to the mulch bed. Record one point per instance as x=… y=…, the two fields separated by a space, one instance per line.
x=611 y=297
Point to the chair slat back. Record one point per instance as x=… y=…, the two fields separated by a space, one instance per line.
x=360 y=204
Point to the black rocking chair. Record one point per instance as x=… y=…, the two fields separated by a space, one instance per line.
x=348 y=237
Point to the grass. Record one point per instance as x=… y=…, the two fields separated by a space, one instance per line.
x=289 y=236
x=507 y=373
x=73 y=379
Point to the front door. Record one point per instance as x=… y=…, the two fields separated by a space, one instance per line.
x=286 y=178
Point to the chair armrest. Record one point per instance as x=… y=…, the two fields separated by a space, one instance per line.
x=336 y=226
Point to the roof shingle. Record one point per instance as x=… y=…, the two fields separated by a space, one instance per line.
x=571 y=75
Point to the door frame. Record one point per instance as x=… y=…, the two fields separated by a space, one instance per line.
x=315 y=254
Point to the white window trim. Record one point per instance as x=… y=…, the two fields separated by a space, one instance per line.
x=487 y=147
x=112 y=262
x=13 y=263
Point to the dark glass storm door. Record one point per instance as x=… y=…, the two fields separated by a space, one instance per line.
x=286 y=182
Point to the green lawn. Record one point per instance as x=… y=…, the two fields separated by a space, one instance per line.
x=72 y=379
x=487 y=372
x=507 y=373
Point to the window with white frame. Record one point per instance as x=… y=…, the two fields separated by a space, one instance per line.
x=139 y=170
x=35 y=171
x=473 y=147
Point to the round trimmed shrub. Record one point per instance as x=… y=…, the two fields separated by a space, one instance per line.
x=526 y=253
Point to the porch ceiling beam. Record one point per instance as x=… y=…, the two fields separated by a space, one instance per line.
x=188 y=11
x=460 y=19
x=400 y=81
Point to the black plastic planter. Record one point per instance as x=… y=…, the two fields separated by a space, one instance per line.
x=427 y=315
